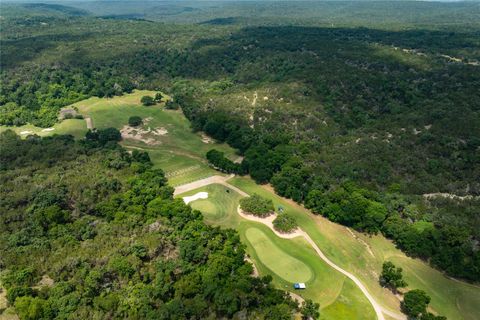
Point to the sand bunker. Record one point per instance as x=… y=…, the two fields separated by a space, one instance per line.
x=26 y=132
x=141 y=134
x=200 y=195
x=48 y=129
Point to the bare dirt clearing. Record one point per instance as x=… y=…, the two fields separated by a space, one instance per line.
x=147 y=136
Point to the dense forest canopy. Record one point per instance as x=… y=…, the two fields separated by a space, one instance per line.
x=119 y=246
x=358 y=119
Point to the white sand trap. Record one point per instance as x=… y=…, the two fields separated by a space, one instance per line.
x=26 y=132
x=200 y=195
x=48 y=129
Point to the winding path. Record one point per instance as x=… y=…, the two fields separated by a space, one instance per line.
x=268 y=221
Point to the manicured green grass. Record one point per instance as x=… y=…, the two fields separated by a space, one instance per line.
x=278 y=261
x=180 y=152
x=75 y=127
x=363 y=256
x=220 y=208
x=271 y=253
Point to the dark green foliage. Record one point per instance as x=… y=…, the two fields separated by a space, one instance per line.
x=171 y=105
x=135 y=121
x=158 y=97
x=119 y=245
x=220 y=162
x=257 y=205
x=284 y=223
x=102 y=137
x=380 y=104
x=147 y=101
x=415 y=303
x=392 y=276
x=309 y=310
x=349 y=205
x=430 y=316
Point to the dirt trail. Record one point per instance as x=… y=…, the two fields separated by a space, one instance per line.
x=379 y=310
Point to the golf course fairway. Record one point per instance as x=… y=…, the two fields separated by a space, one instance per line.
x=279 y=262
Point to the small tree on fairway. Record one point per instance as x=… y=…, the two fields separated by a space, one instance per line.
x=147 y=101
x=392 y=277
x=134 y=121
x=257 y=205
x=415 y=303
x=309 y=310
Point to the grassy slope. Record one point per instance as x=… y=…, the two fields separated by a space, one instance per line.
x=338 y=296
x=183 y=150
x=181 y=153
x=454 y=299
x=75 y=127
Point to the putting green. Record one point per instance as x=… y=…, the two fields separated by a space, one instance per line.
x=220 y=206
x=284 y=265
x=363 y=256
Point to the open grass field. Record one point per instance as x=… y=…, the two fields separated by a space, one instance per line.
x=287 y=261
x=285 y=266
x=75 y=127
x=176 y=149
x=363 y=256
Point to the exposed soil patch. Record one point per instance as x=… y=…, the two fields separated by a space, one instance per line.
x=147 y=136
x=206 y=139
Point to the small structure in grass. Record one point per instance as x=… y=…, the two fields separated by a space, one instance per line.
x=257 y=206
x=284 y=223
x=299 y=286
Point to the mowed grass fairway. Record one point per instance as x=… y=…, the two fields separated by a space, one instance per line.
x=75 y=127
x=285 y=266
x=179 y=151
x=286 y=260
x=363 y=256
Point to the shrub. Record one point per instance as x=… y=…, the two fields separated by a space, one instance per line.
x=284 y=223
x=158 y=97
x=415 y=303
x=147 y=101
x=257 y=205
x=219 y=161
x=134 y=121
x=171 y=105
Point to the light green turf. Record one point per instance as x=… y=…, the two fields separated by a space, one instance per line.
x=325 y=285
x=75 y=127
x=180 y=152
x=220 y=206
x=363 y=256
x=279 y=262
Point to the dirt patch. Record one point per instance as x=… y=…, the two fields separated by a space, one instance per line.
x=206 y=139
x=450 y=196
x=89 y=122
x=147 y=136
